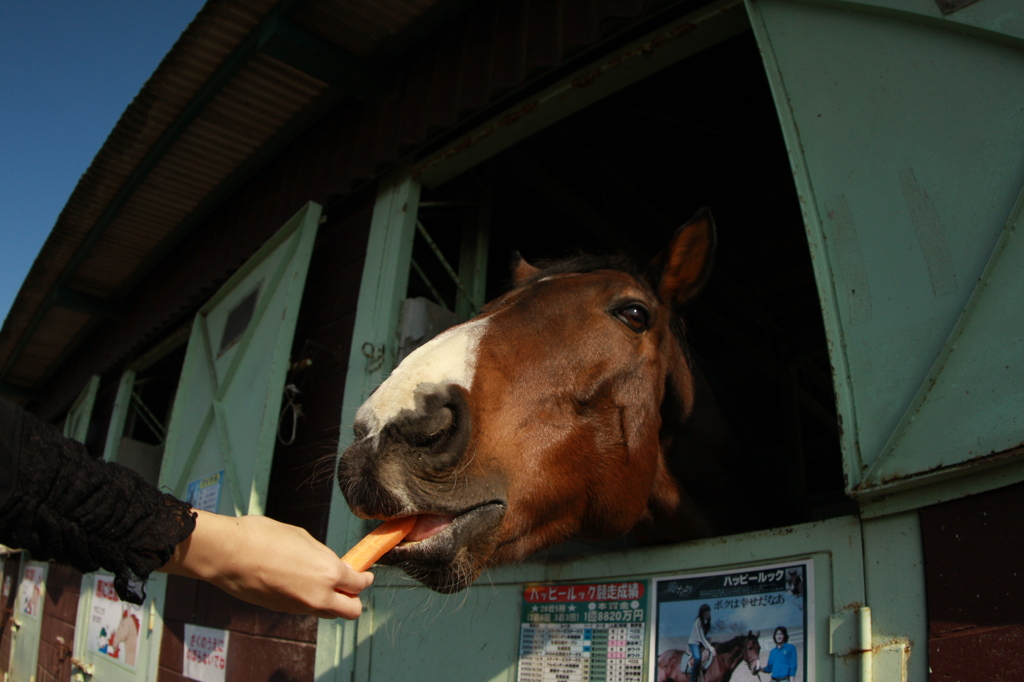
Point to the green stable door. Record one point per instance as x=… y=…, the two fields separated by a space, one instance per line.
x=217 y=446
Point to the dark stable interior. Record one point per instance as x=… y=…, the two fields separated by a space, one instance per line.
x=620 y=176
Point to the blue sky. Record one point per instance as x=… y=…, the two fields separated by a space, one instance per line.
x=68 y=70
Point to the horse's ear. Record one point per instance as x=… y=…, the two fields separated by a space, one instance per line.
x=681 y=270
x=521 y=270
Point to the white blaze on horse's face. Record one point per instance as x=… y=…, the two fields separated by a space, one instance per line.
x=449 y=358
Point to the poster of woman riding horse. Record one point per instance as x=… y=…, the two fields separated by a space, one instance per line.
x=738 y=625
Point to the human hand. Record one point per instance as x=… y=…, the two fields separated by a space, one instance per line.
x=271 y=564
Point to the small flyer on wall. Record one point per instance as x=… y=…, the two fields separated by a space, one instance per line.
x=204 y=493
x=756 y=619
x=205 y=655
x=30 y=594
x=114 y=626
x=583 y=632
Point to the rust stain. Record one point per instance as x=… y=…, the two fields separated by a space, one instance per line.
x=987 y=457
x=503 y=122
x=643 y=50
x=877 y=649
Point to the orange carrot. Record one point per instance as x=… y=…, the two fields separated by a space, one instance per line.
x=377 y=543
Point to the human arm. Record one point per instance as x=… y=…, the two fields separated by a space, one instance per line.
x=61 y=505
x=272 y=564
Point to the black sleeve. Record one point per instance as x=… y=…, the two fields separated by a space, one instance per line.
x=61 y=505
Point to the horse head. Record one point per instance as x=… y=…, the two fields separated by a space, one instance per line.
x=549 y=415
x=752 y=651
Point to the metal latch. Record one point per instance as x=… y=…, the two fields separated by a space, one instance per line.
x=849 y=635
x=83 y=669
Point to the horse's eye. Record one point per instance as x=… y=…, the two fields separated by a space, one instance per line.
x=635 y=316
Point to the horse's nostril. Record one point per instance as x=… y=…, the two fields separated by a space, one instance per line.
x=440 y=429
x=437 y=431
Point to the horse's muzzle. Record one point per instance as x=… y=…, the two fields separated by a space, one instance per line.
x=390 y=473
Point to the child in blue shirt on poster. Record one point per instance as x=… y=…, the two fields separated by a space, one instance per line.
x=782 y=659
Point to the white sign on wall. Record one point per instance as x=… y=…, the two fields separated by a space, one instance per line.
x=30 y=595
x=758 y=619
x=206 y=653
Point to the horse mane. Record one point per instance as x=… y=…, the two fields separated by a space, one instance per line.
x=733 y=644
x=581 y=262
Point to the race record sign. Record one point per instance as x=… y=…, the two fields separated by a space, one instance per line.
x=582 y=633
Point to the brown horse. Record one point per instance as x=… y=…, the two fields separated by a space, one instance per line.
x=127 y=633
x=727 y=658
x=569 y=407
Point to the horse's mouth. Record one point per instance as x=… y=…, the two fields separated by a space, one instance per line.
x=439 y=550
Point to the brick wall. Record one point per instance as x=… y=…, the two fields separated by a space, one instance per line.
x=974 y=571
x=264 y=646
x=57 y=637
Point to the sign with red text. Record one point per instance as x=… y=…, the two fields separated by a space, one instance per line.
x=206 y=653
x=583 y=632
x=115 y=626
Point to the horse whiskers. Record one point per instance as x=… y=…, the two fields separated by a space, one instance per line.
x=322 y=470
x=461 y=467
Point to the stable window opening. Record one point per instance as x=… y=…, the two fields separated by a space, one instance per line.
x=620 y=176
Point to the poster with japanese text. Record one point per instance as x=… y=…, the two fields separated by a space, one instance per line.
x=205 y=653
x=204 y=493
x=115 y=627
x=583 y=632
x=744 y=625
x=30 y=593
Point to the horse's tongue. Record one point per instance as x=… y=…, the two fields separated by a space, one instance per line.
x=427 y=525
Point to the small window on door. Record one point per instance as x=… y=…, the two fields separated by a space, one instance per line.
x=238 y=320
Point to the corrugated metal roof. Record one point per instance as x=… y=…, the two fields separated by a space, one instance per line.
x=220 y=102
x=216 y=31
